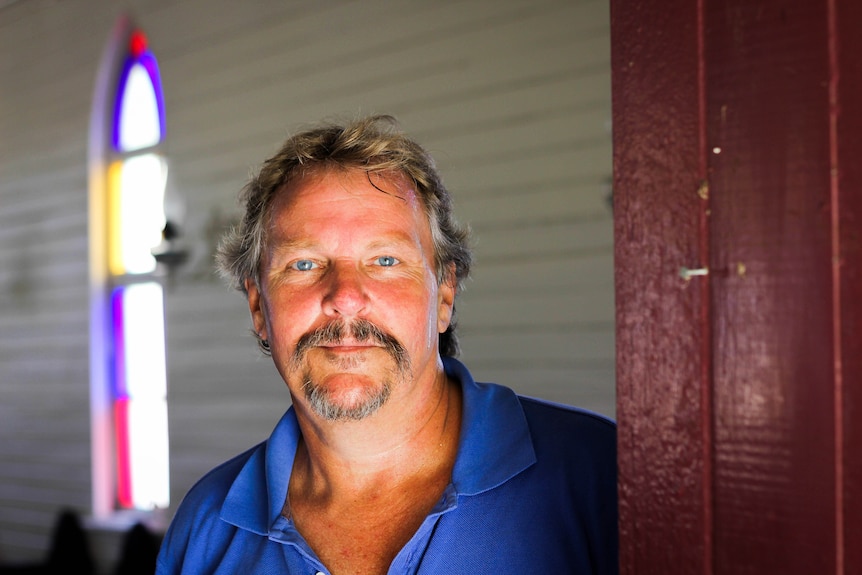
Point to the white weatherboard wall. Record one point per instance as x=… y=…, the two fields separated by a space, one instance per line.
x=512 y=98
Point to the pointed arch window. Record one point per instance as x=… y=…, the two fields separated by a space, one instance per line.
x=128 y=382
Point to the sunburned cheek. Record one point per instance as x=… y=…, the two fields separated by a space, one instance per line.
x=421 y=329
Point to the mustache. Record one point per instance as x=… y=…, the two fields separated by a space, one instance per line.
x=360 y=330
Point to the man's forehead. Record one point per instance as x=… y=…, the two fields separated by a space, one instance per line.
x=391 y=186
x=391 y=183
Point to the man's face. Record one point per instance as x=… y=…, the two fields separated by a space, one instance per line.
x=349 y=300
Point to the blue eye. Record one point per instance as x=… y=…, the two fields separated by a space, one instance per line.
x=303 y=265
x=387 y=261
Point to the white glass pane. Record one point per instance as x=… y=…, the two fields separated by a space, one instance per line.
x=148 y=453
x=139 y=112
x=142 y=212
x=146 y=386
x=144 y=341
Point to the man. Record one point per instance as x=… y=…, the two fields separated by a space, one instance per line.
x=391 y=458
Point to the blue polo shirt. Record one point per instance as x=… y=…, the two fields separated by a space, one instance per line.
x=533 y=490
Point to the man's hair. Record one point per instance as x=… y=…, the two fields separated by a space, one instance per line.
x=375 y=145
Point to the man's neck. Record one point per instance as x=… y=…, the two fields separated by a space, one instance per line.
x=359 y=492
x=404 y=438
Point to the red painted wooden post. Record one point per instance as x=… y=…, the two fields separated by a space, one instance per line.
x=739 y=392
x=846 y=59
x=662 y=324
x=767 y=65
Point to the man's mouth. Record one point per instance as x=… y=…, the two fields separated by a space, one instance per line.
x=347 y=347
x=359 y=336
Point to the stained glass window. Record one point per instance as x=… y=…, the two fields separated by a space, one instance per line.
x=128 y=377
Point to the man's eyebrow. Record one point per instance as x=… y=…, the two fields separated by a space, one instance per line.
x=288 y=245
x=392 y=240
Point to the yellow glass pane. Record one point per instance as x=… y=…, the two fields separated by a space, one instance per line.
x=136 y=214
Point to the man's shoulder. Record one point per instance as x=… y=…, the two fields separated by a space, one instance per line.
x=540 y=413
x=566 y=429
x=552 y=413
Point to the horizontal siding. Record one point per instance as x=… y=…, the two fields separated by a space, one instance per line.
x=512 y=97
x=540 y=306
x=48 y=59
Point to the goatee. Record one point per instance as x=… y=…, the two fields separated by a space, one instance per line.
x=333 y=333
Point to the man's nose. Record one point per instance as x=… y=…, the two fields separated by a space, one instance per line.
x=346 y=294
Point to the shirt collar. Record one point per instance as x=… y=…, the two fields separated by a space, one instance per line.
x=495 y=445
x=495 y=440
x=246 y=505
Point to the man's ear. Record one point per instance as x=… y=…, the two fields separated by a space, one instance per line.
x=255 y=307
x=446 y=299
